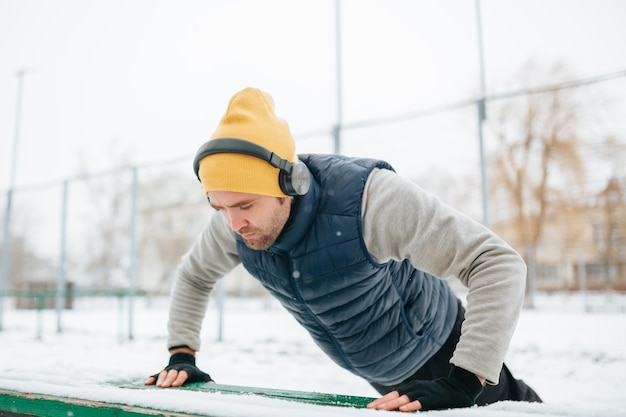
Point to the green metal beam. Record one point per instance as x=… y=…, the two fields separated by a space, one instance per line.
x=319 y=398
x=18 y=404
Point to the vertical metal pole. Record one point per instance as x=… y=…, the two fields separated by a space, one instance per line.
x=530 y=283
x=337 y=129
x=481 y=59
x=221 y=295
x=6 y=246
x=40 y=300
x=61 y=281
x=132 y=268
x=483 y=171
x=482 y=116
x=582 y=276
x=120 y=319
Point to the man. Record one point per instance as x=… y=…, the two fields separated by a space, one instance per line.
x=356 y=254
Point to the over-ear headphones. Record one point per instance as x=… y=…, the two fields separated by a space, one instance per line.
x=294 y=178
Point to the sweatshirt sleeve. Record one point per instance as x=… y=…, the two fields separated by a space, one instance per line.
x=402 y=221
x=212 y=255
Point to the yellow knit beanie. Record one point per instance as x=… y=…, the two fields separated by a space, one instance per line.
x=250 y=116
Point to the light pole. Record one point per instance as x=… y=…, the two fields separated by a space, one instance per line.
x=6 y=246
x=482 y=116
x=338 y=126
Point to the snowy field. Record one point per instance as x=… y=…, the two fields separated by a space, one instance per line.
x=574 y=358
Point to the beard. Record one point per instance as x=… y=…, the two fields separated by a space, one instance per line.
x=264 y=237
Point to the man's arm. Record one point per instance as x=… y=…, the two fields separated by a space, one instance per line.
x=402 y=221
x=212 y=255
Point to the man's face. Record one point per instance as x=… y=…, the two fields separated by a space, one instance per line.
x=258 y=219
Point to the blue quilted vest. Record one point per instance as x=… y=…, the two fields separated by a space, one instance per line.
x=379 y=321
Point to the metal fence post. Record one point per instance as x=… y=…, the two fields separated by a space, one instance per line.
x=132 y=267
x=6 y=246
x=582 y=276
x=221 y=295
x=6 y=259
x=61 y=278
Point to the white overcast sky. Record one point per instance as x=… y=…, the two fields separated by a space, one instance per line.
x=156 y=76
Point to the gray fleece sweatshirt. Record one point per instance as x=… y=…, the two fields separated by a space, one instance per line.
x=400 y=221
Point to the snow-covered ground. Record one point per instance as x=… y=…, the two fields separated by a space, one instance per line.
x=575 y=359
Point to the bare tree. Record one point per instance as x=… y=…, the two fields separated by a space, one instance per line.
x=612 y=234
x=26 y=264
x=537 y=167
x=172 y=213
x=107 y=238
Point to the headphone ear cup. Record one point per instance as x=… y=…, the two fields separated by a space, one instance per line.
x=298 y=182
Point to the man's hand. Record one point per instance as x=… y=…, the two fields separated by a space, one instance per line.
x=459 y=389
x=181 y=368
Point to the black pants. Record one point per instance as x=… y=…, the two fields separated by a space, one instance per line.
x=438 y=366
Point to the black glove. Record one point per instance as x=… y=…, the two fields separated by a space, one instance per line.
x=459 y=389
x=186 y=362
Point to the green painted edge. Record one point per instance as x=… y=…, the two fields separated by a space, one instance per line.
x=319 y=398
x=21 y=404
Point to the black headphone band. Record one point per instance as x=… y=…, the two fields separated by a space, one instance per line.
x=240 y=146
x=294 y=178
